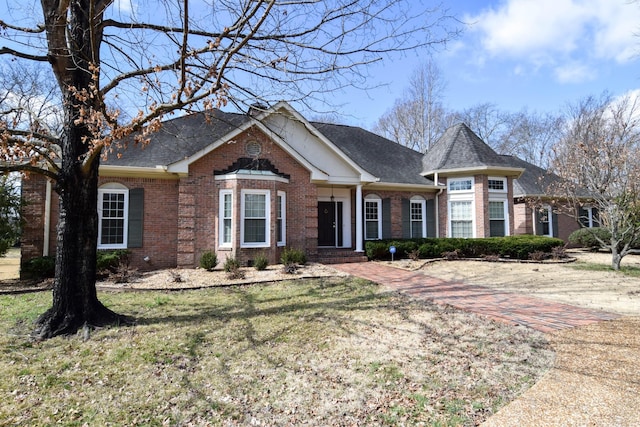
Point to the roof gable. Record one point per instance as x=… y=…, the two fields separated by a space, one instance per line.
x=459 y=149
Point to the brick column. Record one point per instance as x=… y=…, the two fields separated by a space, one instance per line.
x=186 y=224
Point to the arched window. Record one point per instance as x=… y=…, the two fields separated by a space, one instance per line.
x=418 y=216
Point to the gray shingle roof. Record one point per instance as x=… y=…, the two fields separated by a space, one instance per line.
x=179 y=138
x=183 y=137
x=460 y=148
x=538 y=182
x=385 y=159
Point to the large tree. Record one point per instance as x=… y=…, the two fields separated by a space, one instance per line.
x=119 y=72
x=416 y=120
x=599 y=159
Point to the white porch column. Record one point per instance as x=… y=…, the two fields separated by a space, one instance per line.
x=359 y=226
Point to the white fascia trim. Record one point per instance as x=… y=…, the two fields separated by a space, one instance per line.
x=508 y=171
x=137 y=172
x=364 y=175
x=235 y=176
x=182 y=167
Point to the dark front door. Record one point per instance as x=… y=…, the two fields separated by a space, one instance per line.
x=329 y=224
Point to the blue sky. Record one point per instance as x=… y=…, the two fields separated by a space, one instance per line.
x=538 y=54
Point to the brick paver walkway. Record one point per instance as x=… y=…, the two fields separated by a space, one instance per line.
x=536 y=313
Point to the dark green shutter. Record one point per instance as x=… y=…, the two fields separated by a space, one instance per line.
x=431 y=218
x=554 y=219
x=406 y=219
x=536 y=216
x=386 y=218
x=136 y=215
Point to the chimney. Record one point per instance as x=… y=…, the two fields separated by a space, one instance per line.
x=256 y=108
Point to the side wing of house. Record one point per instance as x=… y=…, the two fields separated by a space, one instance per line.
x=478 y=199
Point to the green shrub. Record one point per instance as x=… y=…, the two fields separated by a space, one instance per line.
x=261 y=262
x=586 y=237
x=39 y=268
x=379 y=249
x=293 y=256
x=208 y=260
x=517 y=247
x=111 y=260
x=231 y=264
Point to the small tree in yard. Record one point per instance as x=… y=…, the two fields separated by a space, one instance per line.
x=120 y=71
x=599 y=159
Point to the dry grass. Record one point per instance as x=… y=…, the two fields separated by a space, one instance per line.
x=330 y=351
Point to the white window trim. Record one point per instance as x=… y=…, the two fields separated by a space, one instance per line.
x=473 y=216
x=283 y=218
x=423 y=206
x=221 y=216
x=505 y=206
x=450 y=181
x=497 y=178
x=461 y=196
x=114 y=188
x=590 y=217
x=378 y=201
x=549 y=210
x=267 y=243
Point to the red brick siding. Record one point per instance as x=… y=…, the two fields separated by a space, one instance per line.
x=160 y=217
x=523 y=219
x=199 y=224
x=32 y=239
x=396 y=208
x=481 y=203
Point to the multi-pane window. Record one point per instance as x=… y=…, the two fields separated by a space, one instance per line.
x=497 y=219
x=281 y=218
x=372 y=219
x=461 y=219
x=496 y=184
x=112 y=217
x=464 y=184
x=418 y=220
x=544 y=221
x=226 y=216
x=255 y=218
x=589 y=217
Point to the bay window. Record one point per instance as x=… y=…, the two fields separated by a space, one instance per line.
x=255 y=223
x=226 y=217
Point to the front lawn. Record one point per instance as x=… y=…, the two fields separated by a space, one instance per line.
x=321 y=352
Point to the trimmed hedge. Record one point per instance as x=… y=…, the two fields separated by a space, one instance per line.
x=517 y=247
x=586 y=237
x=45 y=266
x=39 y=268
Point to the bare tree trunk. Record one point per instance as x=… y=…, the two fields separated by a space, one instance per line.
x=75 y=302
x=616 y=257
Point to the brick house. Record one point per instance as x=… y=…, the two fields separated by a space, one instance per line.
x=249 y=184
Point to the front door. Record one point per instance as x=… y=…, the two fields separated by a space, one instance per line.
x=330 y=224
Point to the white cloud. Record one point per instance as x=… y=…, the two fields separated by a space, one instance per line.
x=549 y=30
x=575 y=72
x=125 y=7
